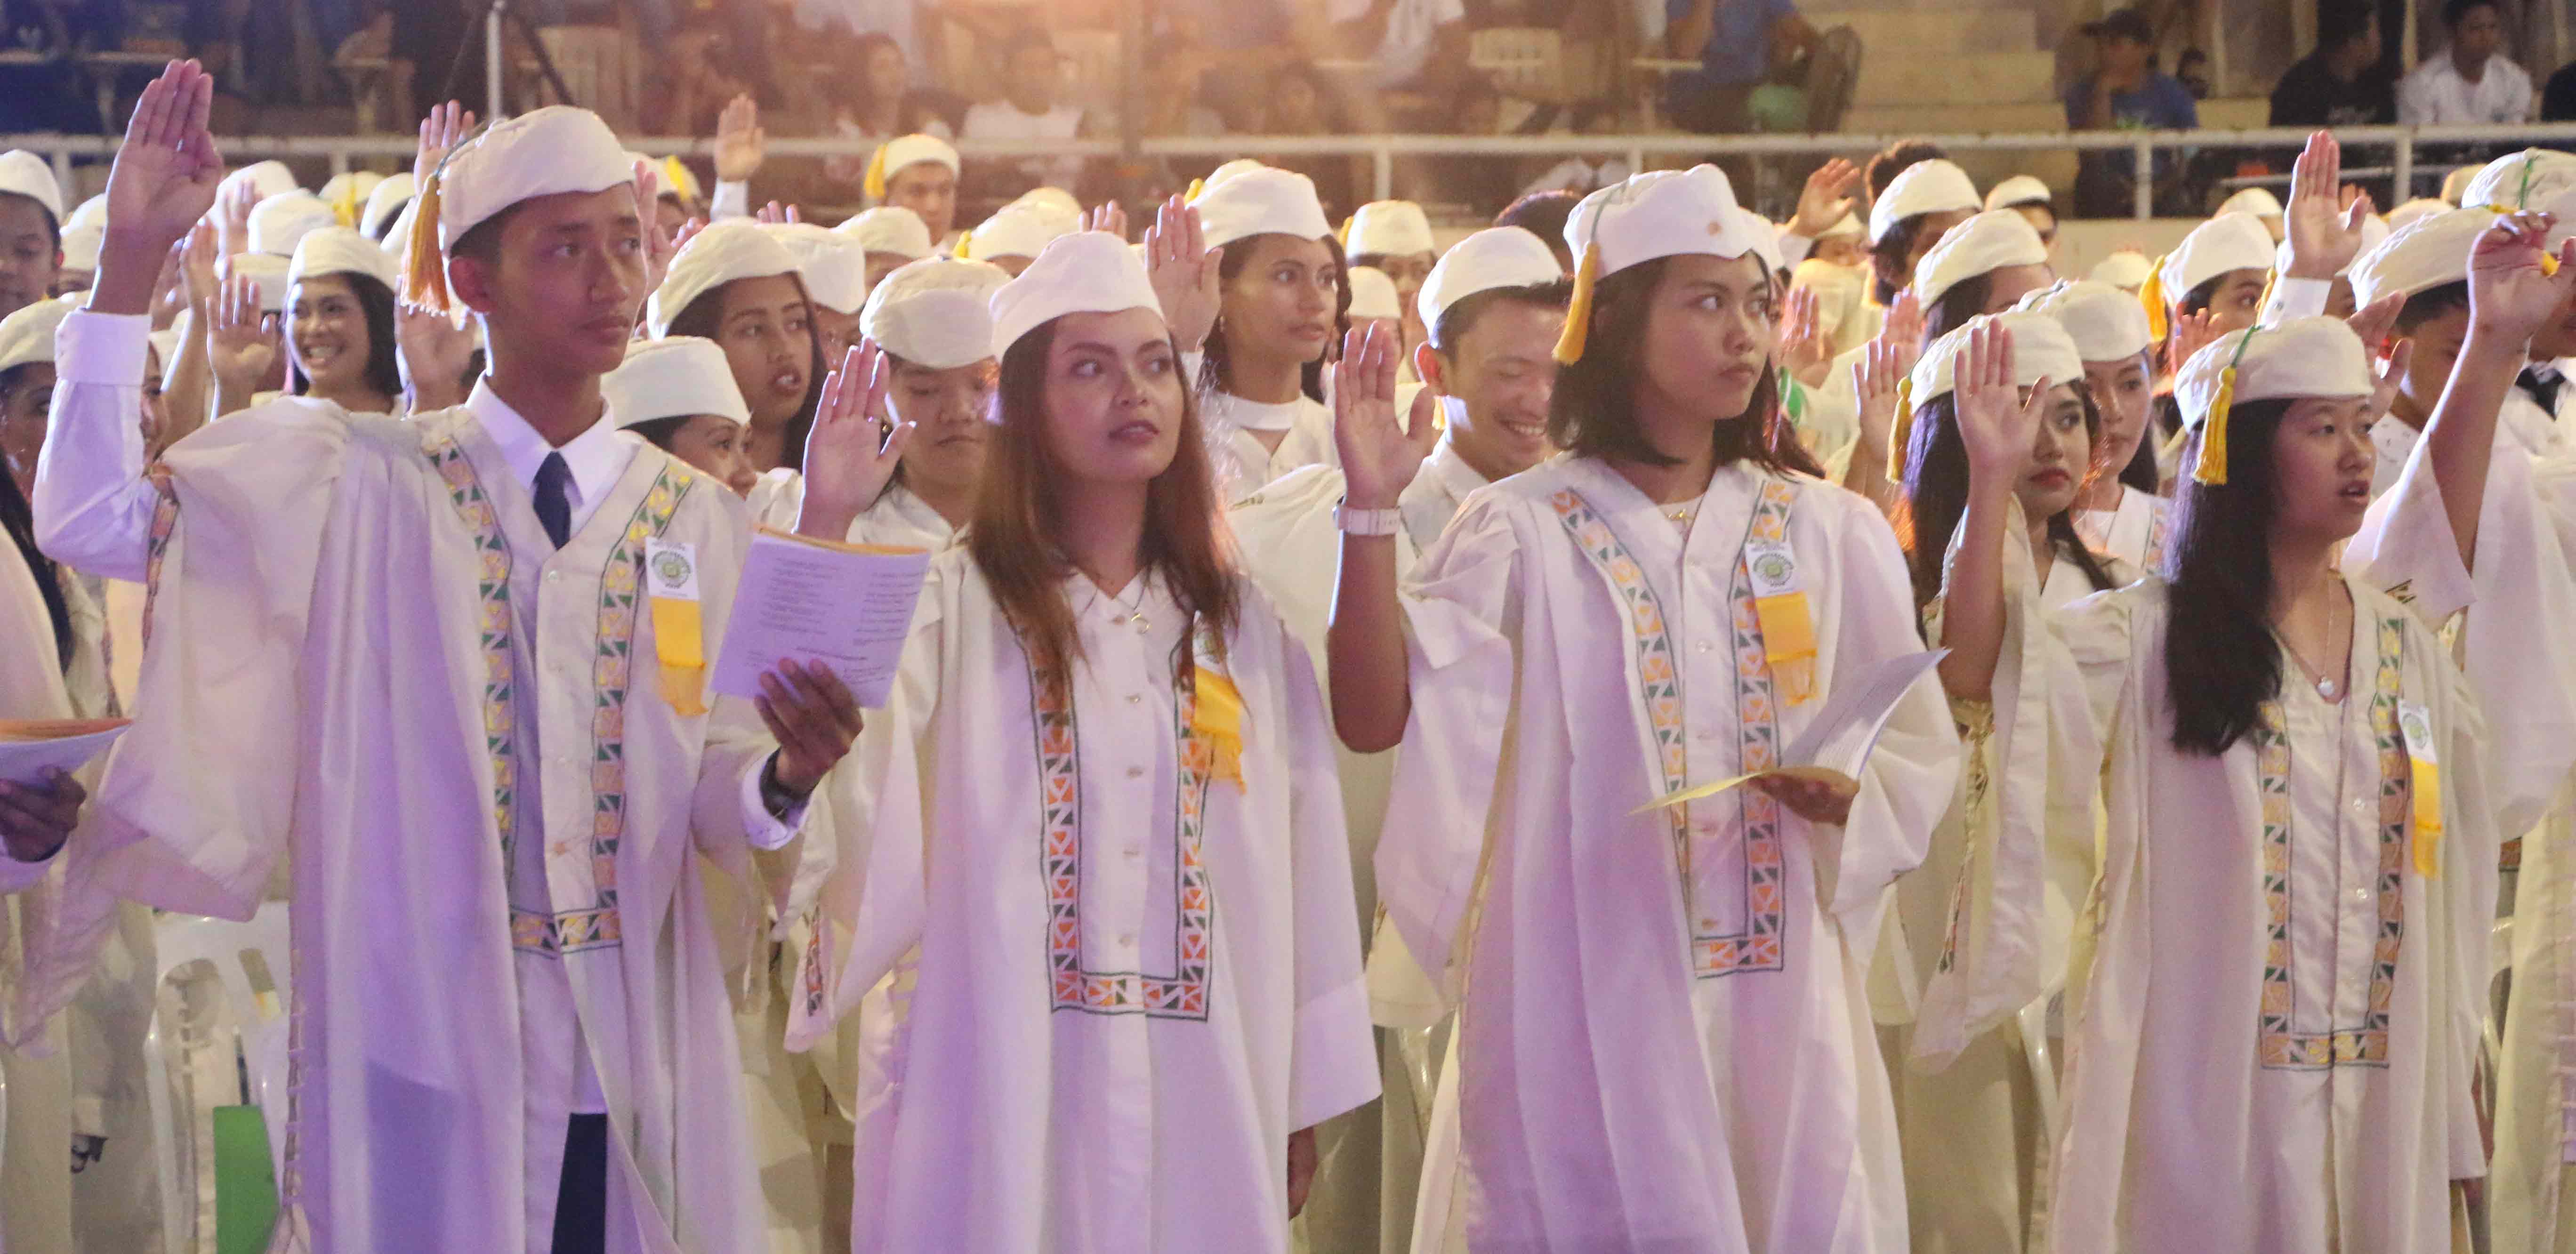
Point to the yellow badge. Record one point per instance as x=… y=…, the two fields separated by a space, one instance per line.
x=1216 y=720
x=679 y=636
x=2417 y=725
x=1788 y=624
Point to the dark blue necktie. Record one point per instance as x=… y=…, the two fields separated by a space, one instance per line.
x=2542 y=387
x=554 y=502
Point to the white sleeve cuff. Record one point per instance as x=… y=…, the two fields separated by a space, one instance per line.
x=767 y=833
x=732 y=200
x=101 y=348
x=1794 y=249
x=2297 y=298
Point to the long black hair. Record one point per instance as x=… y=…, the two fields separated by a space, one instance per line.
x=384 y=364
x=1593 y=412
x=1888 y=271
x=2221 y=663
x=19 y=520
x=1216 y=371
x=1936 y=497
x=1958 y=306
x=704 y=317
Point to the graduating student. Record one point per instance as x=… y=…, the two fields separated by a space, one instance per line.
x=1393 y=237
x=1918 y=207
x=2426 y=266
x=2537 y=178
x=2002 y=440
x=1285 y=306
x=1095 y=832
x=2277 y=1042
x=445 y=674
x=1663 y=1036
x=736 y=285
x=678 y=393
x=1014 y=236
x=2118 y=512
x=932 y=320
x=31 y=230
x=1494 y=310
x=338 y=325
x=919 y=173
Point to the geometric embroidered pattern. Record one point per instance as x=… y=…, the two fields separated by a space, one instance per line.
x=1758 y=946
x=492 y=583
x=596 y=926
x=1075 y=986
x=2280 y=1044
x=165 y=523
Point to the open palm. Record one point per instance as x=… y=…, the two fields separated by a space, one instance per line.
x=243 y=338
x=2512 y=290
x=2324 y=232
x=1995 y=423
x=1379 y=454
x=1185 y=273
x=850 y=455
x=167 y=169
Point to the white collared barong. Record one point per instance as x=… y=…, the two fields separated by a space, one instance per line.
x=1663 y=1035
x=1125 y=974
x=526 y=936
x=2277 y=1035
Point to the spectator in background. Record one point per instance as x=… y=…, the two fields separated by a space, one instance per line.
x=1301 y=101
x=2471 y=81
x=2339 y=84
x=1410 y=45
x=1543 y=214
x=1482 y=182
x=1031 y=108
x=880 y=105
x=2558 y=97
x=2124 y=92
x=691 y=84
x=1736 y=43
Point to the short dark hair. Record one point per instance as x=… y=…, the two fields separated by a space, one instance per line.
x=1593 y=410
x=659 y=431
x=1885 y=166
x=1542 y=214
x=2458 y=11
x=1887 y=258
x=53 y=226
x=1454 y=322
x=2431 y=303
x=2340 y=24
x=482 y=241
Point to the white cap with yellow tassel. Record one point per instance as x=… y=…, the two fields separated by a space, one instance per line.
x=2302 y=358
x=895 y=156
x=1665 y=213
x=547 y=152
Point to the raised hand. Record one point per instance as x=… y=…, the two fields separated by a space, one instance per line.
x=1804 y=347
x=1904 y=323
x=432 y=351
x=1185 y=273
x=197 y=281
x=243 y=338
x=2322 y=226
x=2384 y=385
x=1106 y=216
x=2512 y=293
x=2191 y=333
x=2374 y=322
x=164 y=180
x=853 y=449
x=1995 y=423
x=1825 y=199
x=1379 y=455
x=774 y=214
x=1876 y=378
x=741 y=144
x=446 y=126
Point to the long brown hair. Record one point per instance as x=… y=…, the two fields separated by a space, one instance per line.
x=1018 y=514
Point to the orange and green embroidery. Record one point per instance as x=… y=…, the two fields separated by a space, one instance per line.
x=1759 y=946
x=1183 y=994
x=165 y=524
x=492 y=587
x=2280 y=1043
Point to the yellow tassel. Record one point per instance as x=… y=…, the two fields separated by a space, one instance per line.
x=1191 y=196
x=1216 y=721
x=1902 y=434
x=2212 y=469
x=964 y=240
x=1578 y=312
x=2151 y=294
x=875 y=185
x=344 y=207
x=424 y=272
x=1345 y=234
x=676 y=180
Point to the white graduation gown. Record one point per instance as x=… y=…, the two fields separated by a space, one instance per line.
x=36 y=1184
x=2275 y=1044
x=2133 y=531
x=897 y=517
x=1663 y=1034
x=317 y=572
x=1120 y=993
x=1438 y=491
x=1243 y=465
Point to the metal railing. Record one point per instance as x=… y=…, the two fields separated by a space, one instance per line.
x=1384 y=150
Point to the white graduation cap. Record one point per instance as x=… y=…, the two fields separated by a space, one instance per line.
x=552 y=151
x=386 y=200
x=1261 y=201
x=677 y=376
x=835 y=267
x=936 y=313
x=1933 y=186
x=25 y=174
x=2228 y=242
x=1373 y=295
x=889 y=229
x=280 y=222
x=2019 y=190
x=1019 y=230
x=2413 y=211
x=1085 y=272
x=339 y=250
x=27 y=336
x=2252 y=202
x=268 y=270
x=1388 y=228
x=2429 y=253
x=895 y=156
x=2105 y=323
x=1502 y=256
x=2305 y=357
x=85 y=233
x=2126 y=269
x=2041 y=349
x=1985 y=243
x=737 y=248
x=271 y=178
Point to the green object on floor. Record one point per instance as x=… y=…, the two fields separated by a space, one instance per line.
x=245 y=1181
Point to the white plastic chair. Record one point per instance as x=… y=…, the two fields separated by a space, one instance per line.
x=184 y=939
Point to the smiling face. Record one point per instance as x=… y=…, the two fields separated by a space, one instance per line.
x=1496 y=383
x=1710 y=326
x=2124 y=394
x=1113 y=398
x=326 y=329
x=928 y=189
x=1280 y=305
x=2321 y=463
x=560 y=282
x=949 y=410
x=26 y=404
x=2058 y=457
x=768 y=339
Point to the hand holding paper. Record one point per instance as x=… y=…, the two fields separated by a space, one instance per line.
x=846 y=607
x=1834 y=748
x=39 y=800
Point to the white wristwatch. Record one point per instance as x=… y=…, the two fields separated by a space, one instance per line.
x=1367 y=522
